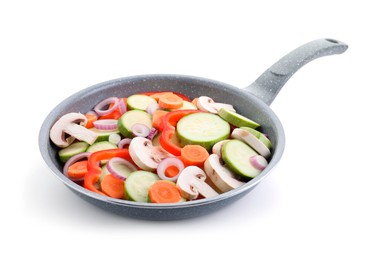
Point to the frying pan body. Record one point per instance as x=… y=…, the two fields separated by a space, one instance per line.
x=253 y=101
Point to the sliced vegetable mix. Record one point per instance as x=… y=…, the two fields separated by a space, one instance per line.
x=160 y=147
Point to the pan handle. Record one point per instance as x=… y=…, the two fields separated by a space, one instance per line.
x=269 y=84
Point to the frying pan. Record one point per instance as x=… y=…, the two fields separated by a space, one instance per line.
x=252 y=101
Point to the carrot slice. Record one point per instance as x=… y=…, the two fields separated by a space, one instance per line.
x=194 y=155
x=164 y=192
x=157 y=118
x=157 y=95
x=77 y=170
x=170 y=100
x=184 y=97
x=113 y=187
x=91 y=118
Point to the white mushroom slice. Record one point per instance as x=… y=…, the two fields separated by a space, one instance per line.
x=191 y=183
x=71 y=124
x=145 y=155
x=217 y=148
x=204 y=104
x=218 y=106
x=251 y=140
x=81 y=133
x=207 y=104
x=221 y=176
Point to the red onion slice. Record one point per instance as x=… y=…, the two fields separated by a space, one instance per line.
x=106 y=124
x=140 y=130
x=124 y=143
x=122 y=106
x=73 y=160
x=168 y=162
x=120 y=167
x=153 y=132
x=99 y=108
x=259 y=162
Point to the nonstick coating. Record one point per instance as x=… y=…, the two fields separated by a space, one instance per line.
x=253 y=102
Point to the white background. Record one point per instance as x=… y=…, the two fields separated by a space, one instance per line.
x=326 y=199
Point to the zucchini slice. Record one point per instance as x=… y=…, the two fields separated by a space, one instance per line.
x=128 y=119
x=203 y=129
x=139 y=101
x=137 y=185
x=71 y=150
x=236 y=154
x=237 y=119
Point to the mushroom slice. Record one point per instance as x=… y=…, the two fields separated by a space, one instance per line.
x=218 y=106
x=204 y=104
x=207 y=104
x=191 y=183
x=217 y=148
x=251 y=140
x=145 y=155
x=221 y=176
x=71 y=124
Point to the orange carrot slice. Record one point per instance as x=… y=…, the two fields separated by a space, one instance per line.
x=170 y=100
x=194 y=155
x=164 y=192
x=77 y=170
x=113 y=187
x=157 y=95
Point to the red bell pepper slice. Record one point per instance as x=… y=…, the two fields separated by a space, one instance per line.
x=94 y=170
x=169 y=127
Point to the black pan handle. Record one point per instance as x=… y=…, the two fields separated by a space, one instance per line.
x=269 y=84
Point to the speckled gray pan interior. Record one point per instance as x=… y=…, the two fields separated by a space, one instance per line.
x=252 y=101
